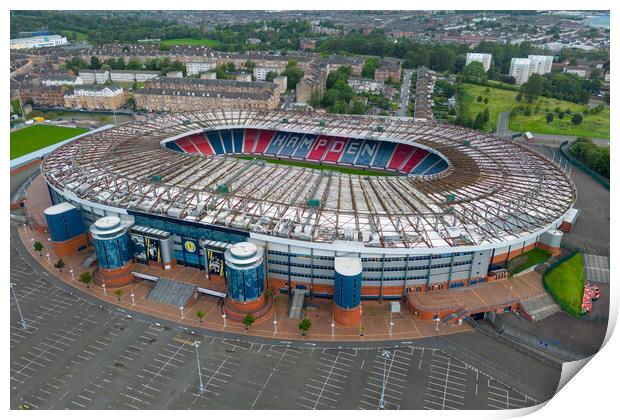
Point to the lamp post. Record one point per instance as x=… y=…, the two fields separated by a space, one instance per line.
x=275 y=323
x=386 y=355
x=224 y=318
x=333 y=325
x=133 y=301
x=437 y=324
x=71 y=271
x=391 y=325
x=201 y=388
x=182 y=314
x=509 y=294
x=48 y=258
x=18 y=308
x=104 y=291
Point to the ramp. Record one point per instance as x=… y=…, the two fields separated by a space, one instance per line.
x=298 y=303
x=540 y=307
x=172 y=292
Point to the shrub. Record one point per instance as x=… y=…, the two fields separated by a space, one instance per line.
x=550 y=117
x=577 y=119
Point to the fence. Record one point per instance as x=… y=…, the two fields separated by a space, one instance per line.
x=595 y=175
x=566 y=307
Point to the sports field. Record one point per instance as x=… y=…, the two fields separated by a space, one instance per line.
x=30 y=139
x=566 y=282
x=318 y=166
x=194 y=42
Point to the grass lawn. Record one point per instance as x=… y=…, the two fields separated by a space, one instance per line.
x=30 y=139
x=203 y=42
x=528 y=259
x=594 y=125
x=318 y=166
x=500 y=100
x=566 y=281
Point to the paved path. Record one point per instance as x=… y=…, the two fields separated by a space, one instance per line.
x=597 y=268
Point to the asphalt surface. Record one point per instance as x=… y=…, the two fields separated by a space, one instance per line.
x=78 y=353
x=405 y=89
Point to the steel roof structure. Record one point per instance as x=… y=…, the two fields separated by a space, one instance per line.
x=494 y=189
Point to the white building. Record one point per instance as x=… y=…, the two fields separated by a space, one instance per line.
x=130 y=76
x=485 y=59
x=359 y=84
x=177 y=74
x=95 y=76
x=194 y=69
x=281 y=82
x=61 y=80
x=520 y=69
x=260 y=73
x=540 y=64
x=208 y=75
x=38 y=42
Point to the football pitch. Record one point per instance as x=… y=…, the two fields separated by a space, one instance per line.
x=336 y=168
x=30 y=139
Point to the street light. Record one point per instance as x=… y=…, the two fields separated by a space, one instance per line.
x=18 y=308
x=275 y=323
x=133 y=301
x=391 y=325
x=224 y=318
x=333 y=325
x=71 y=271
x=201 y=388
x=48 y=258
x=182 y=314
x=386 y=355
x=509 y=293
x=437 y=324
x=104 y=291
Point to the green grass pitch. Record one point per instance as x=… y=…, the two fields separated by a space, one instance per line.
x=30 y=139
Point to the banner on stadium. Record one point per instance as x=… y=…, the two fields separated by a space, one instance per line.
x=190 y=246
x=139 y=249
x=216 y=262
x=152 y=249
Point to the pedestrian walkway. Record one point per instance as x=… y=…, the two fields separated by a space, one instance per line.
x=597 y=268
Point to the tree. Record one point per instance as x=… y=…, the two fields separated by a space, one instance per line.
x=305 y=325
x=248 y=320
x=449 y=90
x=38 y=246
x=474 y=72
x=86 y=278
x=561 y=115
x=577 y=119
x=533 y=88
x=59 y=264
x=519 y=97
x=479 y=121
x=370 y=65
x=118 y=293
x=270 y=76
x=200 y=315
x=249 y=65
x=293 y=74
x=550 y=117
x=479 y=99
x=485 y=100
x=485 y=115
x=230 y=67
x=95 y=63
x=134 y=64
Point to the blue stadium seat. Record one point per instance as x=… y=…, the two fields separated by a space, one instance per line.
x=440 y=166
x=292 y=141
x=383 y=155
x=367 y=152
x=276 y=143
x=238 y=140
x=429 y=161
x=227 y=141
x=351 y=151
x=216 y=142
x=173 y=146
x=304 y=147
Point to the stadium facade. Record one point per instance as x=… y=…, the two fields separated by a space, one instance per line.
x=441 y=206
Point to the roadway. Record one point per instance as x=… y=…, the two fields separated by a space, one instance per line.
x=405 y=90
x=81 y=353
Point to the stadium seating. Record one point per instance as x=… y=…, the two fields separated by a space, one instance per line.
x=394 y=157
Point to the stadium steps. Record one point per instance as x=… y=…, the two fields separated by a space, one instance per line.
x=172 y=292
x=297 y=305
x=540 y=307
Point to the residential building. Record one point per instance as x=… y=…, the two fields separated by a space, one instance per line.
x=260 y=73
x=94 y=96
x=194 y=69
x=51 y=96
x=61 y=80
x=359 y=85
x=209 y=75
x=356 y=63
x=581 y=71
x=130 y=76
x=485 y=59
x=313 y=82
x=541 y=64
x=520 y=70
x=172 y=100
x=38 y=42
x=388 y=70
x=280 y=81
x=307 y=44
x=175 y=74
x=95 y=76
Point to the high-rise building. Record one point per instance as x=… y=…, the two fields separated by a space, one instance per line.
x=485 y=59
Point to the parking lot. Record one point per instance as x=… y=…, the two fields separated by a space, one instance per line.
x=75 y=354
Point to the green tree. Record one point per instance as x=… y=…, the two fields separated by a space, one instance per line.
x=95 y=63
x=38 y=246
x=550 y=117
x=479 y=99
x=304 y=326
x=270 y=76
x=86 y=278
x=200 y=315
x=230 y=67
x=59 y=264
x=293 y=74
x=248 y=320
x=249 y=65
x=577 y=119
x=533 y=88
x=474 y=72
x=370 y=65
x=118 y=293
x=134 y=64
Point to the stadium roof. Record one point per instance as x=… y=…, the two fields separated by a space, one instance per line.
x=493 y=191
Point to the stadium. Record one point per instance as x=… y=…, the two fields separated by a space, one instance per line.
x=348 y=208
